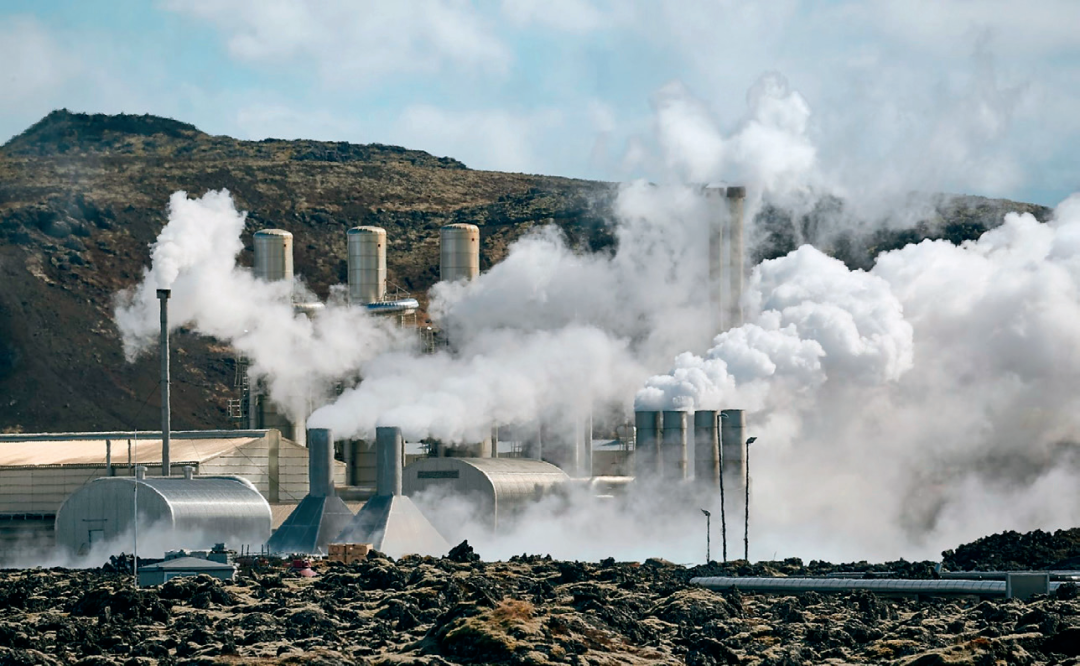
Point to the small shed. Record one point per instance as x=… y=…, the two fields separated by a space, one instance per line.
x=157 y=574
x=173 y=512
x=501 y=487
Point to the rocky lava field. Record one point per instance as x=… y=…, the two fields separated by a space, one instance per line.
x=533 y=610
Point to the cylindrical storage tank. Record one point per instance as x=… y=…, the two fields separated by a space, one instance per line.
x=647 y=460
x=320 y=443
x=733 y=457
x=706 y=450
x=367 y=265
x=389 y=455
x=459 y=252
x=673 y=450
x=273 y=255
x=174 y=512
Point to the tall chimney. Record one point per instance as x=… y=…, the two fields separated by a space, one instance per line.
x=706 y=450
x=674 y=447
x=647 y=460
x=320 y=442
x=166 y=417
x=389 y=455
x=733 y=445
x=714 y=199
x=459 y=252
x=736 y=197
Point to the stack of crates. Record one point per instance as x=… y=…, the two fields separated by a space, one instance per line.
x=347 y=553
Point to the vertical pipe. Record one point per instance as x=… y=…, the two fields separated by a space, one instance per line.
x=166 y=418
x=733 y=457
x=108 y=458
x=674 y=447
x=320 y=462
x=706 y=450
x=736 y=200
x=647 y=461
x=585 y=444
x=389 y=451
x=714 y=200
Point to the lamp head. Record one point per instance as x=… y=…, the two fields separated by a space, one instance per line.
x=707 y=514
x=751 y=441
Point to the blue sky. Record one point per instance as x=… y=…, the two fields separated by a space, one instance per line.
x=870 y=96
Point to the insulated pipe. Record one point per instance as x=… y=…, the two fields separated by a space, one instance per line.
x=166 y=417
x=647 y=460
x=583 y=443
x=673 y=451
x=792 y=585
x=706 y=450
x=320 y=442
x=733 y=459
x=389 y=452
x=736 y=197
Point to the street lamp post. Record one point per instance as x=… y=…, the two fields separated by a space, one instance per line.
x=708 y=536
x=746 y=524
x=723 y=510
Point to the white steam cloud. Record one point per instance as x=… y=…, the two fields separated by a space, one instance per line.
x=195 y=256
x=898 y=411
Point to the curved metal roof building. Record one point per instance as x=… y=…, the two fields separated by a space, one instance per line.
x=202 y=509
x=501 y=486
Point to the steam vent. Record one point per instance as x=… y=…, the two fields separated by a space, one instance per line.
x=390 y=521
x=321 y=515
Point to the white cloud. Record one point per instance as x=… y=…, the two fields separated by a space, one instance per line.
x=493 y=139
x=352 y=43
x=35 y=63
x=567 y=15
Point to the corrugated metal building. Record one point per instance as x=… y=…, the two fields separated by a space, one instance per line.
x=500 y=487
x=39 y=471
x=177 y=511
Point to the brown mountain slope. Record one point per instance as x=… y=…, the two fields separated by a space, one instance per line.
x=82 y=197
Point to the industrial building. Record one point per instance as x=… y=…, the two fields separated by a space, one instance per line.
x=176 y=510
x=499 y=487
x=39 y=471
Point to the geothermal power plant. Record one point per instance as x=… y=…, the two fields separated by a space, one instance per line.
x=276 y=485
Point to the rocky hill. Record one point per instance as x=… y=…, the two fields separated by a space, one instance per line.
x=82 y=197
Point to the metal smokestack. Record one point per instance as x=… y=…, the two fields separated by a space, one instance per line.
x=733 y=455
x=736 y=197
x=320 y=442
x=166 y=417
x=389 y=454
x=647 y=460
x=673 y=451
x=706 y=450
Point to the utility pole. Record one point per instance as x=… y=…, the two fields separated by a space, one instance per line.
x=708 y=536
x=746 y=524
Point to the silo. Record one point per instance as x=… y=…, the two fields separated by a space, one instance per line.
x=736 y=197
x=706 y=450
x=733 y=455
x=647 y=461
x=673 y=449
x=459 y=252
x=273 y=255
x=367 y=265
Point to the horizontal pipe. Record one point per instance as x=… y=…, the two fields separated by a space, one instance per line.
x=133 y=434
x=881 y=586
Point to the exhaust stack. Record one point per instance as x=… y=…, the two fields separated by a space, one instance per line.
x=647 y=460
x=706 y=451
x=321 y=515
x=166 y=416
x=389 y=521
x=673 y=449
x=733 y=455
